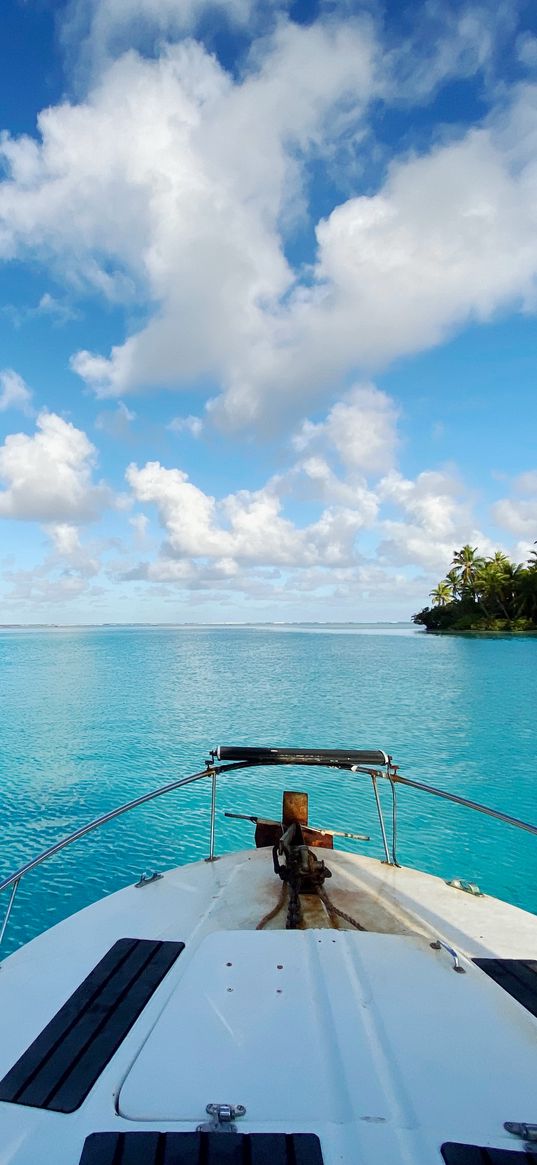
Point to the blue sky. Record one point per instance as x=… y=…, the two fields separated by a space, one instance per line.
x=267 y=305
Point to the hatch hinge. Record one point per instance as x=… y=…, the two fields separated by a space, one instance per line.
x=223 y=1118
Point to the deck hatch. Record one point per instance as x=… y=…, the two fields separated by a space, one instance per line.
x=517 y=976
x=62 y=1064
x=455 y=1154
x=149 y=1148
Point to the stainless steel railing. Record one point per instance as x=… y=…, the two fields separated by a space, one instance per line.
x=14 y=879
x=212 y=772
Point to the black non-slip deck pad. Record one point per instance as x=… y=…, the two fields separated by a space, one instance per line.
x=455 y=1154
x=57 y=1071
x=517 y=976
x=202 y=1149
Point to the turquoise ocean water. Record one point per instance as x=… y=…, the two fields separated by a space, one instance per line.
x=92 y=717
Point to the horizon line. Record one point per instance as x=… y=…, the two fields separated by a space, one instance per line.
x=221 y=623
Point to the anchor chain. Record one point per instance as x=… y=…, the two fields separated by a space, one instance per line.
x=303 y=873
x=335 y=910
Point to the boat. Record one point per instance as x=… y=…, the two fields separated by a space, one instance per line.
x=288 y=1004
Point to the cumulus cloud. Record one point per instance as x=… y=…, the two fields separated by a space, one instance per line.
x=65 y=538
x=380 y=523
x=170 y=182
x=70 y=553
x=48 y=477
x=518 y=515
x=66 y=573
x=173 y=184
x=140 y=525
x=449 y=238
x=173 y=188
x=437 y=518
x=14 y=392
x=246 y=527
x=361 y=429
x=312 y=478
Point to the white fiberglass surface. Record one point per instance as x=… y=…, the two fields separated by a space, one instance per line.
x=315 y=1027
x=247 y=1024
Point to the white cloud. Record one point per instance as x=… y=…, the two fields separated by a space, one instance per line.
x=65 y=538
x=172 y=179
x=361 y=428
x=447 y=41
x=195 y=527
x=437 y=519
x=56 y=310
x=38 y=588
x=70 y=553
x=527 y=50
x=95 y=30
x=14 y=392
x=186 y=573
x=173 y=187
x=246 y=527
x=172 y=182
x=116 y=422
x=524 y=550
x=312 y=478
x=48 y=476
x=450 y=238
x=192 y=425
x=518 y=516
x=526 y=483
x=140 y=525
x=66 y=573
x=404 y=523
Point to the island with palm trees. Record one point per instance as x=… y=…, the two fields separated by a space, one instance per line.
x=483 y=594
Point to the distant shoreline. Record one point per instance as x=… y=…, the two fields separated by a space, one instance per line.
x=479 y=631
x=224 y=625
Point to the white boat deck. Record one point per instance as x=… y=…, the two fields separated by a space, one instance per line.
x=368 y=1039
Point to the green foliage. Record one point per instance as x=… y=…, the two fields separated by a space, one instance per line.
x=483 y=594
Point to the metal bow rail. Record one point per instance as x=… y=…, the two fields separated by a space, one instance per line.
x=373 y=764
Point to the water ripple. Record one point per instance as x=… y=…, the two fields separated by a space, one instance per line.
x=94 y=717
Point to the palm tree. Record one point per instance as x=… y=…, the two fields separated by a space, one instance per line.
x=504 y=591
x=511 y=581
x=467 y=562
x=499 y=558
x=526 y=601
x=442 y=594
x=490 y=583
x=452 y=578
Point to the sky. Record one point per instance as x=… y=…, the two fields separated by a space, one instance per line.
x=268 y=295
